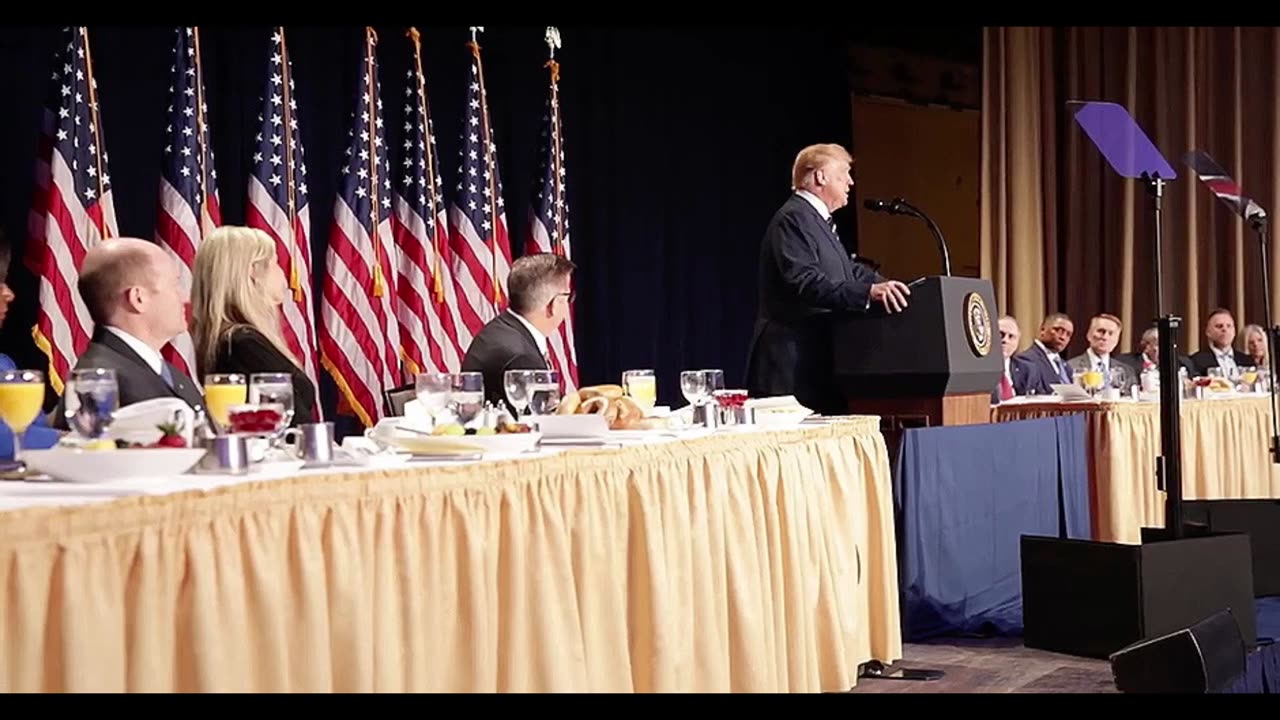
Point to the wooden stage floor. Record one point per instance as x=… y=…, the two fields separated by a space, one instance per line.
x=1000 y=665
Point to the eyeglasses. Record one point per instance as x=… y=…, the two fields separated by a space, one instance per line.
x=571 y=295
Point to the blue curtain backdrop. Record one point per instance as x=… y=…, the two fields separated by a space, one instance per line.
x=678 y=143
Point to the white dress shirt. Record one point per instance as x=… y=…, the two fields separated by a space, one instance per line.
x=1098 y=362
x=149 y=354
x=1226 y=357
x=1055 y=360
x=817 y=204
x=538 y=337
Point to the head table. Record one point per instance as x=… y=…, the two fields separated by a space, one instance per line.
x=695 y=562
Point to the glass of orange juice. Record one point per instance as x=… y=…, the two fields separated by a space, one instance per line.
x=21 y=398
x=642 y=386
x=221 y=392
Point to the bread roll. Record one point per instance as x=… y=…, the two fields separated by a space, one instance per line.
x=624 y=414
x=594 y=406
x=569 y=404
x=613 y=392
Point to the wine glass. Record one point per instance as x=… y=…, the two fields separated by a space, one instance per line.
x=544 y=392
x=221 y=392
x=21 y=397
x=693 y=385
x=433 y=390
x=467 y=395
x=273 y=391
x=516 y=384
x=90 y=400
x=641 y=386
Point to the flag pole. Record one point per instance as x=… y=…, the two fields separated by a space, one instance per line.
x=371 y=42
x=437 y=282
x=295 y=280
x=206 y=221
x=490 y=165
x=553 y=42
x=96 y=123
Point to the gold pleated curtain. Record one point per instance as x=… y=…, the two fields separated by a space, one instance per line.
x=1060 y=231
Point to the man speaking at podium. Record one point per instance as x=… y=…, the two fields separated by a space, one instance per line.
x=807 y=279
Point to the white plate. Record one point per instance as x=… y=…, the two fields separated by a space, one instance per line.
x=412 y=442
x=94 y=466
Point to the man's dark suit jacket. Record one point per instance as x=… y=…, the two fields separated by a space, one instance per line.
x=1037 y=357
x=501 y=345
x=806 y=280
x=1027 y=376
x=1205 y=359
x=1134 y=360
x=135 y=380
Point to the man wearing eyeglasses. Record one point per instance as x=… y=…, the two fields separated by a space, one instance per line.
x=540 y=297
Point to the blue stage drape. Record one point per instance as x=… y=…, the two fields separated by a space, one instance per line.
x=964 y=496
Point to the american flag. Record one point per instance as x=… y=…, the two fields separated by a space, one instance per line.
x=477 y=220
x=188 y=183
x=72 y=209
x=427 y=300
x=278 y=200
x=549 y=219
x=360 y=338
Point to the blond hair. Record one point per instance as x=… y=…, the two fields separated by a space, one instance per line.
x=814 y=158
x=222 y=296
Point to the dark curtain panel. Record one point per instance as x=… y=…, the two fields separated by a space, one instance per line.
x=678 y=150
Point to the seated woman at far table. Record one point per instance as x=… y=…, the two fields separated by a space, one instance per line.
x=237 y=289
x=39 y=435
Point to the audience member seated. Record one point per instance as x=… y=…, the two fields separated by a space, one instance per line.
x=539 y=289
x=237 y=289
x=1045 y=351
x=132 y=290
x=1148 y=355
x=1255 y=345
x=1220 y=331
x=1021 y=376
x=39 y=435
x=1103 y=336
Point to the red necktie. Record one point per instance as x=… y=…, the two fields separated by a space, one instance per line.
x=1006 y=387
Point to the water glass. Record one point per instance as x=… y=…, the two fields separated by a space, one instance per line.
x=715 y=380
x=544 y=392
x=273 y=391
x=693 y=385
x=433 y=390
x=467 y=395
x=90 y=400
x=516 y=384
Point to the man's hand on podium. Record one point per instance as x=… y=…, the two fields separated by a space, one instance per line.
x=892 y=293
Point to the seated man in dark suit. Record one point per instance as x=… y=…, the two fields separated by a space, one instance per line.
x=539 y=288
x=806 y=279
x=1103 y=336
x=1148 y=355
x=1220 y=331
x=1046 y=352
x=134 y=294
x=1021 y=376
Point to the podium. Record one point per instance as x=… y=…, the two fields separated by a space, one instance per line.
x=935 y=363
